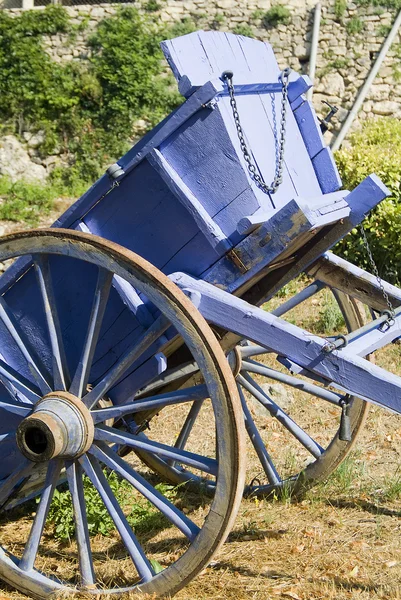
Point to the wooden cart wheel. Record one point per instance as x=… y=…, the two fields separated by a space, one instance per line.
x=54 y=423
x=294 y=447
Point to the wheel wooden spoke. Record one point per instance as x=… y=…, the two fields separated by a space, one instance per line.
x=34 y=363
x=257 y=442
x=253 y=388
x=157 y=329
x=75 y=484
x=251 y=350
x=186 y=429
x=8 y=485
x=18 y=408
x=29 y=391
x=95 y=474
x=188 y=425
x=101 y=296
x=4 y=437
x=170 y=376
x=193 y=394
x=141 y=442
x=32 y=546
x=251 y=366
x=173 y=514
x=61 y=378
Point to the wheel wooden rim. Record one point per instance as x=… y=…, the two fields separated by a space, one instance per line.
x=176 y=309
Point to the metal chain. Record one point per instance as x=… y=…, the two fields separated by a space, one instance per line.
x=252 y=168
x=391 y=314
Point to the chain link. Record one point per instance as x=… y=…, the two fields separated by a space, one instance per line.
x=252 y=168
x=391 y=314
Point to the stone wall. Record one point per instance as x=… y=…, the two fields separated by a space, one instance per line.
x=350 y=40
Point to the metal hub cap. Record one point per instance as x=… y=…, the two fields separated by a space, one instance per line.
x=60 y=425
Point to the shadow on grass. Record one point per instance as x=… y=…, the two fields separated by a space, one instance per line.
x=365 y=505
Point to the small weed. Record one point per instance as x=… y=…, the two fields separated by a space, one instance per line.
x=217 y=21
x=330 y=319
x=245 y=30
x=257 y=14
x=340 y=6
x=340 y=63
x=391 y=488
x=186 y=25
x=141 y=514
x=383 y=30
x=354 y=26
x=348 y=474
x=276 y=15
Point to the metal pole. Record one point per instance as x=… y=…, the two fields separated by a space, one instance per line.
x=366 y=86
x=315 y=42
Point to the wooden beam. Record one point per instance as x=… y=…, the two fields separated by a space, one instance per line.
x=351 y=372
x=342 y=275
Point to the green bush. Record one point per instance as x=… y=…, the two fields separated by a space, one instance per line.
x=376 y=149
x=276 y=15
x=88 y=110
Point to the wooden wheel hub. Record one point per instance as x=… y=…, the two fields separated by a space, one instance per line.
x=60 y=425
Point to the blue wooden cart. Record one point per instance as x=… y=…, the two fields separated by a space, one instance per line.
x=130 y=329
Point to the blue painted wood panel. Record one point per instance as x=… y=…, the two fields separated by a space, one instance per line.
x=148 y=219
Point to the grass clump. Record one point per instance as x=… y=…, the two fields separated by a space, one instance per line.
x=354 y=26
x=245 y=30
x=276 y=15
x=340 y=6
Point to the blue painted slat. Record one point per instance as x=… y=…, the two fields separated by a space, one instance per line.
x=209 y=228
x=299 y=85
x=201 y=97
x=139 y=152
x=309 y=127
x=203 y=155
x=326 y=171
x=148 y=219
